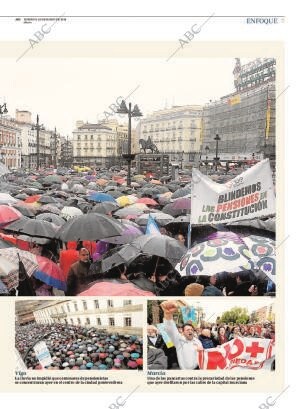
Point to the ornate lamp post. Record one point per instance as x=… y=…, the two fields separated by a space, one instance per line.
x=206 y=161
x=217 y=139
x=38 y=128
x=131 y=113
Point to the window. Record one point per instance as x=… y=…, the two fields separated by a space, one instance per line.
x=96 y=302
x=98 y=321
x=111 y=322
x=72 y=322
x=127 y=321
x=78 y=320
x=127 y=302
x=68 y=307
x=87 y=321
x=110 y=303
x=75 y=306
x=84 y=305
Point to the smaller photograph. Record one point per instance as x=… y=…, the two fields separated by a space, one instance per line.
x=193 y=335
x=90 y=334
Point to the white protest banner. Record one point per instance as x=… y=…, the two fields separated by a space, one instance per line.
x=247 y=196
x=249 y=353
x=42 y=354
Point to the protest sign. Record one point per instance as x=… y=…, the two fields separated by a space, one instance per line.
x=249 y=353
x=163 y=333
x=247 y=196
x=42 y=353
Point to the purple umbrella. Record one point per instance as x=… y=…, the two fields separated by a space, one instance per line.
x=182 y=204
x=130 y=233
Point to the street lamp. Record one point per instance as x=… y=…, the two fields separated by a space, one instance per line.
x=217 y=139
x=131 y=113
x=206 y=161
x=181 y=159
x=38 y=128
x=55 y=149
x=5 y=111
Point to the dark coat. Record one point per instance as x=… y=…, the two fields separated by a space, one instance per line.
x=206 y=342
x=78 y=277
x=157 y=359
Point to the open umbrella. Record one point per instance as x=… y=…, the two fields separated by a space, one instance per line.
x=147 y=201
x=161 y=246
x=50 y=273
x=181 y=192
x=161 y=218
x=39 y=228
x=109 y=288
x=68 y=212
x=9 y=262
x=6 y=198
x=105 y=207
x=183 y=203
x=8 y=214
x=223 y=251
x=101 y=197
x=91 y=226
x=45 y=199
x=26 y=211
x=52 y=218
x=130 y=233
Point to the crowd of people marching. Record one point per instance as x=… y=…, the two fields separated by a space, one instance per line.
x=200 y=337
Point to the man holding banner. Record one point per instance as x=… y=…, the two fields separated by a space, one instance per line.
x=187 y=347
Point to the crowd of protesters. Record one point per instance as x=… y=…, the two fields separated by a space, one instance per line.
x=76 y=347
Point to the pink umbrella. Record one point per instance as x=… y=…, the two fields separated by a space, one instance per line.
x=9 y=214
x=111 y=288
x=147 y=201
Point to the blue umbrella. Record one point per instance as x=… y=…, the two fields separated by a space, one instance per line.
x=101 y=197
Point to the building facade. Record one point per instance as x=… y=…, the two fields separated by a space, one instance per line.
x=177 y=131
x=49 y=151
x=114 y=315
x=101 y=144
x=10 y=143
x=265 y=313
x=244 y=120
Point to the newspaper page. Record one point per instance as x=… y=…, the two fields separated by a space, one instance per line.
x=141 y=204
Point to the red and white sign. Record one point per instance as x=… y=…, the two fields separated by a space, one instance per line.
x=250 y=353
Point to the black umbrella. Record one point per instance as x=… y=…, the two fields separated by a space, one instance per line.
x=105 y=207
x=26 y=211
x=47 y=199
x=91 y=226
x=169 y=209
x=160 y=245
x=52 y=218
x=116 y=257
x=180 y=224
x=183 y=191
x=33 y=227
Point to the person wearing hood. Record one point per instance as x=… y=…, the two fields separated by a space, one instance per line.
x=78 y=273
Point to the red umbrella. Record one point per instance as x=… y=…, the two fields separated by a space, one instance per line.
x=50 y=273
x=32 y=199
x=147 y=201
x=9 y=214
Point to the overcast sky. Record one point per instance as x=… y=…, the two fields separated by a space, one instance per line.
x=62 y=91
x=214 y=310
